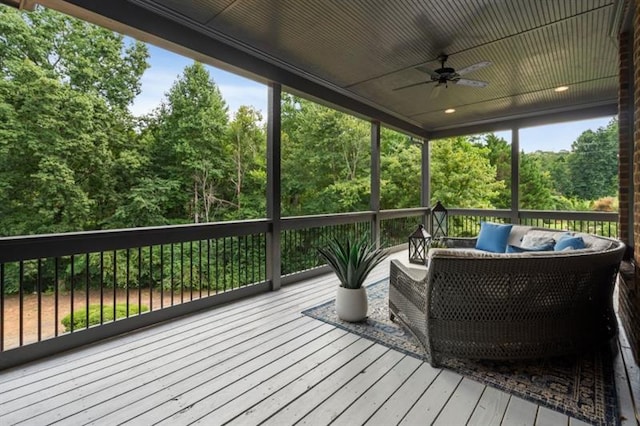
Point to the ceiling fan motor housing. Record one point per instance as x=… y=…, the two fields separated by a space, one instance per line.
x=445 y=74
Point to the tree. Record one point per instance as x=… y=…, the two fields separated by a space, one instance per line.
x=88 y=58
x=461 y=174
x=500 y=157
x=534 y=185
x=64 y=122
x=594 y=163
x=401 y=171
x=247 y=142
x=189 y=132
x=326 y=159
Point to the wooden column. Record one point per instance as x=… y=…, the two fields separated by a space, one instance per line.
x=515 y=175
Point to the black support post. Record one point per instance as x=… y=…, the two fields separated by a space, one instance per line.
x=274 y=186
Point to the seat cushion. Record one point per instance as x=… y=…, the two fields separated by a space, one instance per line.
x=493 y=237
x=523 y=249
x=569 y=242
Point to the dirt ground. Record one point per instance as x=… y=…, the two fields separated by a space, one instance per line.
x=11 y=312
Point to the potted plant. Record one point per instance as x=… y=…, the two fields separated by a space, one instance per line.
x=352 y=261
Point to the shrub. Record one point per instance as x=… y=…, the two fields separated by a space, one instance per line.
x=80 y=316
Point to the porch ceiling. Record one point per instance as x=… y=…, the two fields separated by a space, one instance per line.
x=367 y=49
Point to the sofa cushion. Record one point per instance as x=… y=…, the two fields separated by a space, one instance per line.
x=537 y=240
x=493 y=237
x=569 y=242
x=517 y=233
x=523 y=249
x=595 y=243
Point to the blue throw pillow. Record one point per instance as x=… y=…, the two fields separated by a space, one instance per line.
x=543 y=247
x=569 y=242
x=493 y=237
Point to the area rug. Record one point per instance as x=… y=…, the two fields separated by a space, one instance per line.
x=582 y=387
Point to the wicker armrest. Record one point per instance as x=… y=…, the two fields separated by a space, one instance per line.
x=415 y=274
x=459 y=242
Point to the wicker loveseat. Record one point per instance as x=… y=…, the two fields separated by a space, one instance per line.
x=480 y=305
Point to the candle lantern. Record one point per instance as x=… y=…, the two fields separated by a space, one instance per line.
x=419 y=243
x=439 y=221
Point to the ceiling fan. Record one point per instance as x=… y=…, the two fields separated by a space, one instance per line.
x=444 y=75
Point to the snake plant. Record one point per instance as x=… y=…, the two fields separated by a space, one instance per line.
x=352 y=261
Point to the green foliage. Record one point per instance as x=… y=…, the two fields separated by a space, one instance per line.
x=80 y=316
x=352 y=261
x=594 y=163
x=534 y=186
x=461 y=174
x=324 y=151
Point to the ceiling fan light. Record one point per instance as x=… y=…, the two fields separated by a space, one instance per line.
x=449 y=111
x=561 y=88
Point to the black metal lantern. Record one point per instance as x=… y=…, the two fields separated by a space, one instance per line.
x=419 y=243
x=439 y=221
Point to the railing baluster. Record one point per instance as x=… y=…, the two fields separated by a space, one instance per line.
x=128 y=278
x=200 y=266
x=73 y=263
x=21 y=307
x=171 y=274
x=56 y=279
x=161 y=276
x=87 y=293
x=190 y=270
x=101 y=287
x=139 y=279
x=115 y=283
x=39 y=290
x=181 y=273
x=150 y=280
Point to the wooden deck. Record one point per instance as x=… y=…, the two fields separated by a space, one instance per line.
x=259 y=361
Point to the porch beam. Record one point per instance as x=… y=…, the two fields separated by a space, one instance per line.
x=205 y=45
x=274 y=255
x=548 y=117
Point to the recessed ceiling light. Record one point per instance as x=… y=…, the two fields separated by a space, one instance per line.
x=561 y=88
x=449 y=111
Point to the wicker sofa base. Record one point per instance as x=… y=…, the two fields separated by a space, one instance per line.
x=507 y=308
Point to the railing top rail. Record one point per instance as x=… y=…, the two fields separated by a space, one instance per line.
x=479 y=212
x=300 y=222
x=54 y=245
x=569 y=215
x=394 y=214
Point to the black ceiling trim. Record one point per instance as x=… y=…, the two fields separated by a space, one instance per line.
x=547 y=117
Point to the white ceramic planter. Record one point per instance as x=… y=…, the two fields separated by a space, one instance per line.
x=352 y=304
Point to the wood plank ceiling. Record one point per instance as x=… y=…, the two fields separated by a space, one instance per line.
x=369 y=49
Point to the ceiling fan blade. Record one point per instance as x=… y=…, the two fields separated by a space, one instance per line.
x=435 y=92
x=413 y=85
x=472 y=83
x=474 y=67
x=429 y=71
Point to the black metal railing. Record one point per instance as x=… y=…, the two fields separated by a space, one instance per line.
x=85 y=282
x=302 y=236
x=466 y=222
x=397 y=225
x=54 y=285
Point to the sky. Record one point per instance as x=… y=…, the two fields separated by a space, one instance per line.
x=166 y=67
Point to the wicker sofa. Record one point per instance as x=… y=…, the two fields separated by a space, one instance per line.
x=480 y=305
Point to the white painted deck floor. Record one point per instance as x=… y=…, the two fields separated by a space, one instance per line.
x=260 y=361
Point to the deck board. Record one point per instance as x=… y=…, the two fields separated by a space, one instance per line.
x=259 y=361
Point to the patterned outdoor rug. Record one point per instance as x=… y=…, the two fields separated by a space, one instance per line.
x=581 y=387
